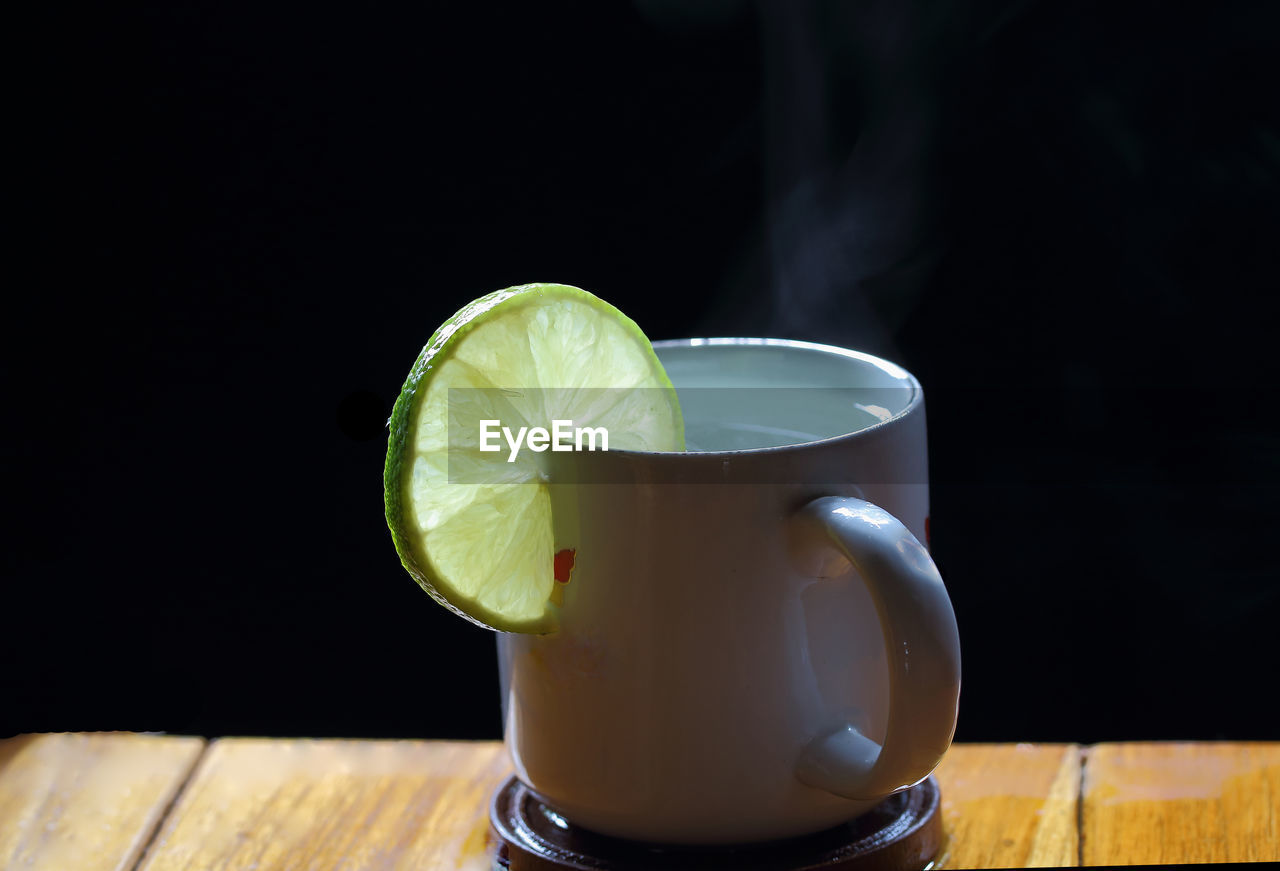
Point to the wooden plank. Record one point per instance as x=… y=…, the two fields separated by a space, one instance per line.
x=1158 y=803
x=386 y=805
x=93 y=801
x=86 y=801
x=1010 y=805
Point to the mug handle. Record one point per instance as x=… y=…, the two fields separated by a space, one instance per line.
x=922 y=645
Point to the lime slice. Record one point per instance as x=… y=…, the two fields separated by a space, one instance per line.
x=484 y=543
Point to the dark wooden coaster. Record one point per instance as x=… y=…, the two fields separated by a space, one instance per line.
x=902 y=833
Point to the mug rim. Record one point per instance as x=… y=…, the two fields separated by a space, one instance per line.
x=890 y=368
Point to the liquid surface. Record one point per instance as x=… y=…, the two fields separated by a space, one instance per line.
x=743 y=397
x=737 y=420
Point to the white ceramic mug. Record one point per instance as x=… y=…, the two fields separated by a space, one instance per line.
x=755 y=644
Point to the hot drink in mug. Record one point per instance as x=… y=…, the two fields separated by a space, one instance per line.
x=765 y=649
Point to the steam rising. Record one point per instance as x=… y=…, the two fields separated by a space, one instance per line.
x=845 y=239
x=850 y=119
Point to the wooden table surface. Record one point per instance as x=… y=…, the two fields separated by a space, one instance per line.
x=163 y=803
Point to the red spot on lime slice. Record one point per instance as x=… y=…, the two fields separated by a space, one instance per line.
x=562 y=565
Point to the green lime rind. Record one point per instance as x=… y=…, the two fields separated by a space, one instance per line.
x=402 y=426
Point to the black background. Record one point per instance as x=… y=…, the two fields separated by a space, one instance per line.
x=236 y=227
